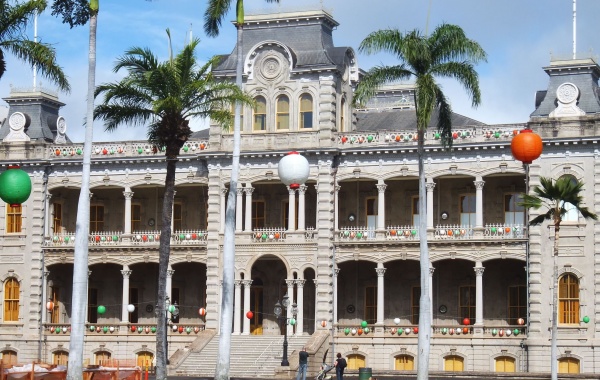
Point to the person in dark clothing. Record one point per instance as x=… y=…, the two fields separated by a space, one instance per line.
x=340 y=364
x=303 y=364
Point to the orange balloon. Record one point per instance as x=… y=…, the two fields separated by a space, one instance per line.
x=526 y=146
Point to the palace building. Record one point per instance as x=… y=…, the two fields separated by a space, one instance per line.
x=343 y=247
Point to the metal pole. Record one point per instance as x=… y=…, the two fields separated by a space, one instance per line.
x=166 y=343
x=284 y=361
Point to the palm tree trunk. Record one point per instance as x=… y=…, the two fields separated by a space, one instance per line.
x=553 y=343
x=222 y=370
x=425 y=301
x=82 y=230
x=164 y=249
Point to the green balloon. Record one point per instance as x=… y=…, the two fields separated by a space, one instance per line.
x=153 y=329
x=171 y=308
x=57 y=329
x=363 y=324
x=367 y=330
x=15 y=186
x=264 y=236
x=516 y=332
x=292 y=321
x=92 y=328
x=346 y=233
x=369 y=138
x=101 y=309
x=586 y=319
x=140 y=150
x=359 y=235
x=105 y=329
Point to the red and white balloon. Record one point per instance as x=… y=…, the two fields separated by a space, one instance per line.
x=293 y=170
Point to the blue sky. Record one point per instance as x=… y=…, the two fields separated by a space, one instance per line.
x=520 y=37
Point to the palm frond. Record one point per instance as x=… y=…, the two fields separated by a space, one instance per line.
x=465 y=73
x=449 y=43
x=213 y=17
x=375 y=78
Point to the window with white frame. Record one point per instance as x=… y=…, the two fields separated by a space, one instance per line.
x=467 y=209
x=513 y=212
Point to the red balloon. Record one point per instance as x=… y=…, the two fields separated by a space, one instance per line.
x=465 y=330
x=466 y=321
x=133 y=328
x=180 y=329
x=202 y=312
x=249 y=315
x=416 y=330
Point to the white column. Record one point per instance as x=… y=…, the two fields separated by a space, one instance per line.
x=128 y=194
x=238 y=210
x=302 y=207
x=336 y=225
x=478 y=293
x=124 y=312
x=290 y=293
x=300 y=302
x=431 y=270
x=222 y=203
x=479 y=202
x=246 y=327
x=45 y=296
x=48 y=220
x=336 y=272
x=237 y=309
x=248 y=222
x=381 y=186
x=380 y=292
x=291 y=209
x=430 y=186
x=170 y=273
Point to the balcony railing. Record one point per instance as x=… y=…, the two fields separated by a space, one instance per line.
x=402 y=233
x=130 y=329
x=357 y=233
x=441 y=330
x=448 y=232
x=261 y=235
x=191 y=237
x=505 y=231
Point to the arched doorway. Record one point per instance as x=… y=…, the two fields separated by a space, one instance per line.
x=269 y=275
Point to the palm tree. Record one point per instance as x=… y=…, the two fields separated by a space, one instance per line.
x=165 y=96
x=447 y=53
x=13 y=21
x=555 y=196
x=78 y=12
x=213 y=17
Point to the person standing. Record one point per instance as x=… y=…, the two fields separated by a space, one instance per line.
x=303 y=364
x=340 y=364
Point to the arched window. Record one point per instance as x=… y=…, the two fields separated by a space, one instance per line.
x=11 y=300
x=454 y=363
x=103 y=358
x=404 y=363
x=9 y=357
x=283 y=112
x=568 y=299
x=306 y=111
x=572 y=215
x=144 y=360
x=60 y=358
x=230 y=129
x=568 y=365
x=356 y=361
x=342 y=127
x=260 y=114
x=505 y=364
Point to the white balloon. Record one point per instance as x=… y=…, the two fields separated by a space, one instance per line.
x=130 y=308
x=396 y=320
x=293 y=169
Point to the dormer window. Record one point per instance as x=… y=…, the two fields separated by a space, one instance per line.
x=260 y=114
x=283 y=112
x=306 y=111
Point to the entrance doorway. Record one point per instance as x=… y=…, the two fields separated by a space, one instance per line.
x=256 y=304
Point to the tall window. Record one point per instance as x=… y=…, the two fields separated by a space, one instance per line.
x=96 y=218
x=342 y=127
x=415 y=307
x=454 y=363
x=92 y=305
x=134 y=300
x=371 y=213
x=467 y=210
x=371 y=304
x=13 y=218
x=60 y=358
x=177 y=219
x=57 y=218
x=505 y=364
x=572 y=215
x=11 y=300
x=230 y=128
x=466 y=299
x=415 y=211
x=283 y=112
x=55 y=312
x=260 y=114
x=517 y=303
x=306 y=111
x=513 y=212
x=258 y=214
x=568 y=365
x=404 y=363
x=568 y=299
x=136 y=217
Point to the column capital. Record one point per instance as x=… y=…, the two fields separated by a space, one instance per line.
x=224 y=190
x=337 y=188
x=89 y=273
x=126 y=273
x=170 y=273
x=300 y=283
x=336 y=272
x=46 y=273
x=291 y=191
x=478 y=271
x=128 y=194
x=479 y=184
x=248 y=190
x=381 y=187
x=430 y=186
x=48 y=195
x=380 y=271
x=431 y=270
x=302 y=189
x=238 y=283
x=239 y=191
x=290 y=283
x=91 y=195
x=247 y=282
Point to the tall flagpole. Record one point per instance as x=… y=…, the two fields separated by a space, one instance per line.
x=574 y=29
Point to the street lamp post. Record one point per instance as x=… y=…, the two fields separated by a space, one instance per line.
x=174 y=311
x=279 y=307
